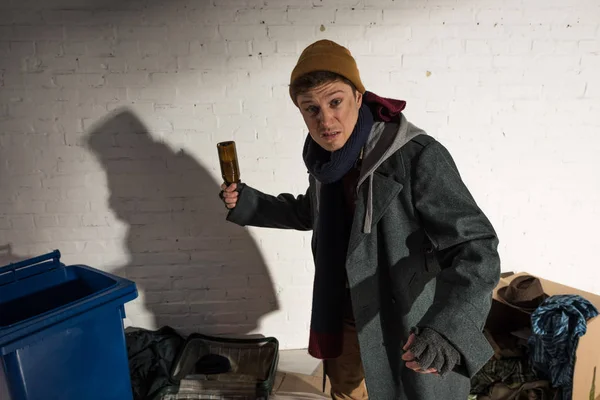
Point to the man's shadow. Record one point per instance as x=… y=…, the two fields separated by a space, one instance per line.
x=8 y=257
x=197 y=272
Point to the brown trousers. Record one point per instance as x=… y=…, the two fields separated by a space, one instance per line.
x=346 y=374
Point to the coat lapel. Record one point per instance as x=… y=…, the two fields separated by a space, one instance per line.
x=385 y=189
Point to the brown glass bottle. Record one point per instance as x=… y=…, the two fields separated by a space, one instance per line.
x=230 y=169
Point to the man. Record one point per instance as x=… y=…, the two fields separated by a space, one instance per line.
x=405 y=260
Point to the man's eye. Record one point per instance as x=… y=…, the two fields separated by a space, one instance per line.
x=336 y=102
x=312 y=109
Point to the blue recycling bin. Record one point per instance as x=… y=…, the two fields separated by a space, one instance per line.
x=61 y=332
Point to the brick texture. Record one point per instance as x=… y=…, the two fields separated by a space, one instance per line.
x=109 y=120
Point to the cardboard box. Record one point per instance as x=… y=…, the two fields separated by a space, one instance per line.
x=505 y=317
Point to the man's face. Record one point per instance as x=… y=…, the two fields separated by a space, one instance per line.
x=330 y=112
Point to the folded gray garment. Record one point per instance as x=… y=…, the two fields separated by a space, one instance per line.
x=432 y=350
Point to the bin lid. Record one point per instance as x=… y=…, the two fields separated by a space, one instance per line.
x=40 y=292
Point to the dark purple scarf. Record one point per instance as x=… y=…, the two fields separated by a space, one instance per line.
x=333 y=227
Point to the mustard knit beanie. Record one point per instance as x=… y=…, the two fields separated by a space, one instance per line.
x=325 y=55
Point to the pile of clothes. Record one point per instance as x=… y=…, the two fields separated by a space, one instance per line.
x=151 y=355
x=536 y=361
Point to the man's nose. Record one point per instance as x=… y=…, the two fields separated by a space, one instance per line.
x=326 y=119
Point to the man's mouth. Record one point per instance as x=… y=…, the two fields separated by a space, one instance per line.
x=330 y=135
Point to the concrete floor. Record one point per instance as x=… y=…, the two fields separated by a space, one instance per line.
x=299 y=361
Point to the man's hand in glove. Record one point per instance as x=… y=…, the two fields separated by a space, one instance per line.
x=427 y=352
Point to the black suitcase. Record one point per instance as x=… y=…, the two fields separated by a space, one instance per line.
x=215 y=368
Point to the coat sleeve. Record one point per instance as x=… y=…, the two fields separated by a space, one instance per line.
x=284 y=211
x=466 y=246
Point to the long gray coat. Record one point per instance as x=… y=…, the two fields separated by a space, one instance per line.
x=421 y=253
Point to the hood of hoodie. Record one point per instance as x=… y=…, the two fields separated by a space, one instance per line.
x=384 y=140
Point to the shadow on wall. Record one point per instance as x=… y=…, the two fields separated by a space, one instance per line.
x=8 y=257
x=198 y=272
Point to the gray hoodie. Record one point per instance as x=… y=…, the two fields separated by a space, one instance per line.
x=384 y=140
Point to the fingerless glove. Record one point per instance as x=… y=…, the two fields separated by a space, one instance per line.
x=432 y=350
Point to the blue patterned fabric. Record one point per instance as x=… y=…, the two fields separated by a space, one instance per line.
x=556 y=326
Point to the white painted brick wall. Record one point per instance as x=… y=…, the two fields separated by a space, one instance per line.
x=109 y=120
